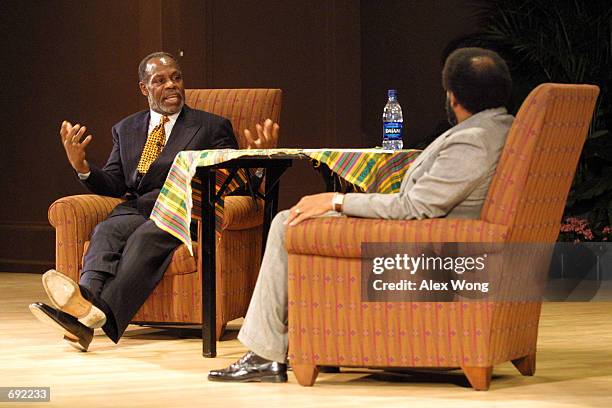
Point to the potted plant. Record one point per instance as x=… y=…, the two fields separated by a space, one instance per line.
x=567 y=42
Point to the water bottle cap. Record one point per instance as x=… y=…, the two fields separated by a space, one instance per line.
x=392 y=93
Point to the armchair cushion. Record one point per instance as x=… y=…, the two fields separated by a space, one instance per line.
x=343 y=236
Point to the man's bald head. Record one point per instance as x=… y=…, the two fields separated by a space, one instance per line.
x=478 y=78
x=144 y=68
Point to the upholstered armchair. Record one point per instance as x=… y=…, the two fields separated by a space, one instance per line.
x=330 y=325
x=178 y=298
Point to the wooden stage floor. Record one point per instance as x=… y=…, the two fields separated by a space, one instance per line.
x=155 y=368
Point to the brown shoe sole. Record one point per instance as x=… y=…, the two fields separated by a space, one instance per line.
x=65 y=294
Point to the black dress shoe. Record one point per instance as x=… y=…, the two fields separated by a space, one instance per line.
x=251 y=367
x=75 y=333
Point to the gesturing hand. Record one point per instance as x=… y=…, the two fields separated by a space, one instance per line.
x=267 y=136
x=310 y=206
x=75 y=148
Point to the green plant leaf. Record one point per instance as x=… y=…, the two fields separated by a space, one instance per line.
x=566 y=42
x=599 y=133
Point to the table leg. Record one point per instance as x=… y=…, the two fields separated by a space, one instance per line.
x=207 y=247
x=207 y=260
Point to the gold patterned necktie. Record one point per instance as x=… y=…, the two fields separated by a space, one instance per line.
x=154 y=146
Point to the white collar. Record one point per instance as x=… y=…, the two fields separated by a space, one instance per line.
x=156 y=117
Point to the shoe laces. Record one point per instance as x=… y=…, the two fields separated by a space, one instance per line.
x=242 y=360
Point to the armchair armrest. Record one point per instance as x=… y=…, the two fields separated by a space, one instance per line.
x=74 y=218
x=240 y=212
x=343 y=236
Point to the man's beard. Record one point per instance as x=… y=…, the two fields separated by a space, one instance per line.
x=156 y=106
x=450 y=113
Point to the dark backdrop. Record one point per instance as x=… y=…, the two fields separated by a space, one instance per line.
x=402 y=46
x=77 y=60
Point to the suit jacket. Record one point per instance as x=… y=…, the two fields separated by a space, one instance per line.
x=449 y=178
x=193 y=130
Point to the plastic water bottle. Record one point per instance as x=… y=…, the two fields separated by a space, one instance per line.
x=393 y=122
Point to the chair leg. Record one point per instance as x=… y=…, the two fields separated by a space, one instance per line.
x=305 y=374
x=220 y=329
x=526 y=365
x=479 y=377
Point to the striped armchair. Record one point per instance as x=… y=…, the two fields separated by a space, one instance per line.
x=178 y=298
x=330 y=325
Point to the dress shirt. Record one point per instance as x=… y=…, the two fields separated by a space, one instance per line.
x=154 y=120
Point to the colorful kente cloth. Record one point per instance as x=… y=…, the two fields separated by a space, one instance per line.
x=370 y=170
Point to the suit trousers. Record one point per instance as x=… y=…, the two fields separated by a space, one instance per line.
x=265 y=330
x=127 y=257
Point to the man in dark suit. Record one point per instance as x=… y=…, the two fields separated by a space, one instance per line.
x=128 y=253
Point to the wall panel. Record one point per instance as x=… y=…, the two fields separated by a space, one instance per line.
x=310 y=49
x=64 y=60
x=402 y=47
x=77 y=61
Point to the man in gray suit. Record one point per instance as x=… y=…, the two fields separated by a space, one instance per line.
x=450 y=178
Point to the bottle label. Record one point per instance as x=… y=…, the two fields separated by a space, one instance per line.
x=392 y=130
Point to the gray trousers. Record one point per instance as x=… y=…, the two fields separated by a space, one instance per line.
x=264 y=330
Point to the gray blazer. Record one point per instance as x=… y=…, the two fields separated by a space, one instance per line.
x=450 y=178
